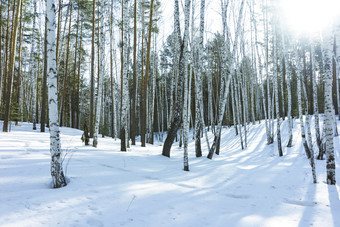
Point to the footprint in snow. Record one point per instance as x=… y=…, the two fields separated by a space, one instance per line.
x=94 y=222
x=300 y=202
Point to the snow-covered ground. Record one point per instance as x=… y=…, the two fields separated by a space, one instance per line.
x=251 y=187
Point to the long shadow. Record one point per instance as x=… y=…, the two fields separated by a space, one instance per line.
x=334 y=202
x=309 y=204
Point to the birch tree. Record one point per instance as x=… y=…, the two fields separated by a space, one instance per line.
x=327 y=61
x=101 y=44
x=124 y=105
x=33 y=66
x=58 y=178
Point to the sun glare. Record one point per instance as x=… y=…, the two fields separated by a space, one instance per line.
x=309 y=15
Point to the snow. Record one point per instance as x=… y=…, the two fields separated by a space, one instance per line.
x=107 y=187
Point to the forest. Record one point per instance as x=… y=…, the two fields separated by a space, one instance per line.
x=106 y=67
x=113 y=99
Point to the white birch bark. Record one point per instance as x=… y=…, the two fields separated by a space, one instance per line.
x=309 y=138
x=33 y=67
x=124 y=123
x=302 y=127
x=100 y=76
x=288 y=78
x=270 y=139
x=238 y=107
x=185 y=106
x=58 y=178
x=276 y=90
x=315 y=103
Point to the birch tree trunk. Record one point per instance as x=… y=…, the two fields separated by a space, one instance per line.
x=337 y=58
x=113 y=100
x=310 y=146
x=288 y=79
x=302 y=127
x=124 y=106
x=133 y=95
x=101 y=48
x=58 y=178
x=33 y=66
x=92 y=68
x=278 y=131
x=327 y=60
x=186 y=103
x=315 y=103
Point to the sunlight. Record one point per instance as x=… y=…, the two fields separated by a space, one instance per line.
x=309 y=15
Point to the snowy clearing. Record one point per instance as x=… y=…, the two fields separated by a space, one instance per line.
x=251 y=187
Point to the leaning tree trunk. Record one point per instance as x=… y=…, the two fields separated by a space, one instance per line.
x=58 y=178
x=181 y=45
x=327 y=59
x=225 y=85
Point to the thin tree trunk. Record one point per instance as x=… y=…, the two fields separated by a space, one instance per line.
x=11 y=65
x=44 y=85
x=101 y=49
x=302 y=128
x=133 y=95
x=74 y=82
x=92 y=68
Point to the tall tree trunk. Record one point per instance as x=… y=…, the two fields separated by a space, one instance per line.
x=302 y=127
x=310 y=143
x=124 y=81
x=278 y=130
x=134 y=82
x=63 y=108
x=327 y=56
x=33 y=66
x=74 y=82
x=44 y=85
x=78 y=77
x=58 y=178
x=19 y=77
x=146 y=77
x=11 y=65
x=101 y=50
x=92 y=68
x=113 y=100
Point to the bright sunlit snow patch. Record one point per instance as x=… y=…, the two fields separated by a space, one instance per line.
x=309 y=15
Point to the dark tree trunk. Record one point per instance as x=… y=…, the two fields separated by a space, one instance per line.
x=44 y=86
